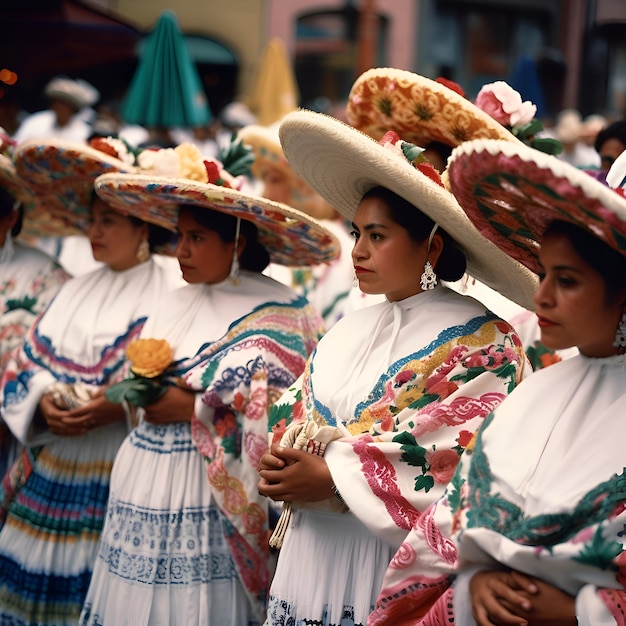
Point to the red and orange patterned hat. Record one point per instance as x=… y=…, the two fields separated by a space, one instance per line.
x=419 y=109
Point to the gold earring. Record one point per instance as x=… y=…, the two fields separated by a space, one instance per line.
x=143 y=251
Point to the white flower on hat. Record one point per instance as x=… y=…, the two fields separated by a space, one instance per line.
x=164 y=162
x=186 y=161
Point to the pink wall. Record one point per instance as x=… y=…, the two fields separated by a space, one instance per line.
x=401 y=14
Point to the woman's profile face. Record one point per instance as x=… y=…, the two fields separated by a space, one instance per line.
x=114 y=238
x=276 y=185
x=386 y=260
x=202 y=255
x=570 y=301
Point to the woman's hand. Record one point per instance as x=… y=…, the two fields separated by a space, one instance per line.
x=515 y=598
x=498 y=598
x=75 y=422
x=288 y=474
x=175 y=405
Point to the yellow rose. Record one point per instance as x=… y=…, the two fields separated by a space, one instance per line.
x=191 y=162
x=149 y=357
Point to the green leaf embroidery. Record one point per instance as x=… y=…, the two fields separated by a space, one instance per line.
x=424 y=482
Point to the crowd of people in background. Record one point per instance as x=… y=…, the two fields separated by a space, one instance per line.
x=361 y=366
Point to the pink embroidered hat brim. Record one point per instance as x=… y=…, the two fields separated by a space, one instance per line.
x=37 y=220
x=420 y=110
x=289 y=236
x=63 y=174
x=342 y=163
x=511 y=193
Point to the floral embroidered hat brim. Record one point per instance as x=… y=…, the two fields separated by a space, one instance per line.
x=62 y=174
x=268 y=153
x=342 y=163
x=38 y=221
x=290 y=237
x=419 y=109
x=511 y=193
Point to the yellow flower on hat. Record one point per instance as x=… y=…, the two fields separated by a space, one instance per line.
x=191 y=163
x=149 y=357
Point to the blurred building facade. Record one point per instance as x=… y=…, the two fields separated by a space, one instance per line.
x=566 y=53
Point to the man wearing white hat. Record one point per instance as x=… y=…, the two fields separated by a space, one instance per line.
x=69 y=116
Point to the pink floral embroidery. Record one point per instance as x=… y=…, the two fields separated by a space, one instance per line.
x=457 y=412
x=256 y=446
x=257 y=407
x=381 y=477
x=442 y=465
x=404 y=557
x=404 y=377
x=440 y=545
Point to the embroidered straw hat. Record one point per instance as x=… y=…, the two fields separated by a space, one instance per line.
x=62 y=174
x=268 y=153
x=419 y=109
x=37 y=219
x=511 y=193
x=342 y=164
x=289 y=236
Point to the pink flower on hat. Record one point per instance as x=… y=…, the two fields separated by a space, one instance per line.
x=505 y=104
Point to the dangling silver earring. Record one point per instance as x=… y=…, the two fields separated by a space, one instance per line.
x=620 y=335
x=143 y=251
x=428 y=279
x=234 y=266
x=355 y=281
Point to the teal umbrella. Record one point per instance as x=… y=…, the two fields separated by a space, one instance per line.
x=166 y=89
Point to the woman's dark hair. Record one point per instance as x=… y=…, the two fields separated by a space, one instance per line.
x=616 y=130
x=157 y=235
x=254 y=256
x=608 y=262
x=7 y=206
x=451 y=263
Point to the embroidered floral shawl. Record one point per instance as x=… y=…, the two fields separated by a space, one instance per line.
x=542 y=490
x=408 y=382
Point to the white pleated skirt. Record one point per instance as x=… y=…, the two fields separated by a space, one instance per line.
x=163 y=558
x=330 y=570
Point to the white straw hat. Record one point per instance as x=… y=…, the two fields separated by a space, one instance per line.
x=342 y=164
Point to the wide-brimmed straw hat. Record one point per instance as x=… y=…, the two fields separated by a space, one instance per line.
x=511 y=193
x=62 y=175
x=268 y=153
x=289 y=236
x=342 y=164
x=76 y=92
x=419 y=109
x=37 y=221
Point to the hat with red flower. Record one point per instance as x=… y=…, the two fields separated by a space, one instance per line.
x=419 y=109
x=511 y=193
x=174 y=177
x=63 y=173
x=342 y=163
x=425 y=111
